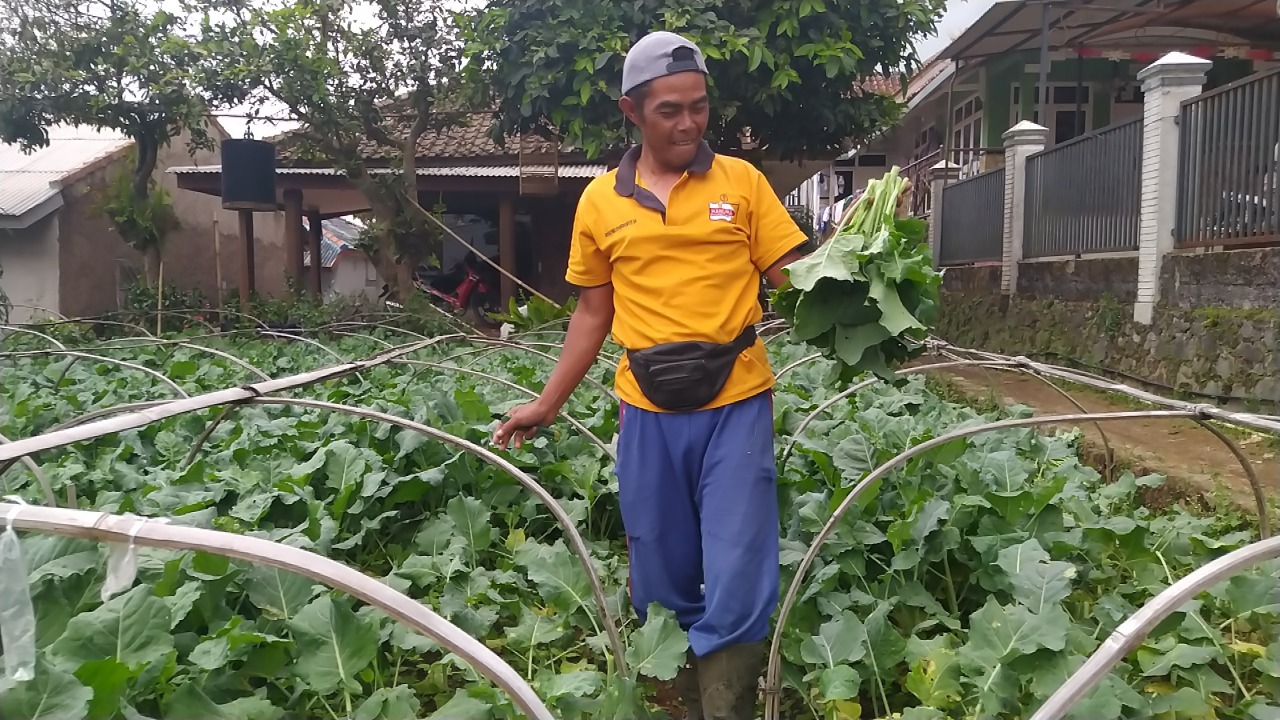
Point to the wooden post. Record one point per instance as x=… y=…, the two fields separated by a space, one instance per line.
x=293 y=238
x=217 y=266
x=247 y=273
x=316 y=226
x=507 y=246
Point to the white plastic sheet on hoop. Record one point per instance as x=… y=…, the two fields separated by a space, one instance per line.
x=17 y=616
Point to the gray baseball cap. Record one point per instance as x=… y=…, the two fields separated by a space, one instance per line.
x=660 y=54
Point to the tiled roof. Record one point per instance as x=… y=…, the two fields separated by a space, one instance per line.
x=467 y=140
x=336 y=236
x=567 y=170
x=27 y=180
x=890 y=85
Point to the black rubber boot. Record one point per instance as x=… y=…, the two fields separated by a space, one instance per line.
x=687 y=686
x=730 y=681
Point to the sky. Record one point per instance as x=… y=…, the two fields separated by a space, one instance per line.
x=959 y=15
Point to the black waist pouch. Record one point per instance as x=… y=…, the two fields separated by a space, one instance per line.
x=685 y=376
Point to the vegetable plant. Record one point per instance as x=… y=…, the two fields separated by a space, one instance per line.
x=969 y=585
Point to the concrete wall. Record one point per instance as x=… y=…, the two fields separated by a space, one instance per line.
x=1215 y=335
x=189 y=252
x=92 y=256
x=29 y=259
x=350 y=277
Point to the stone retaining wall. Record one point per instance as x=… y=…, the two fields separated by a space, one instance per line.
x=1216 y=331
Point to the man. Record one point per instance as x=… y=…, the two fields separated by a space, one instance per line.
x=668 y=251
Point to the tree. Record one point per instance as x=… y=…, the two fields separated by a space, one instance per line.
x=108 y=64
x=364 y=80
x=786 y=75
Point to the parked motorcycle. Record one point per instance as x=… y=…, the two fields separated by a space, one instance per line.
x=469 y=289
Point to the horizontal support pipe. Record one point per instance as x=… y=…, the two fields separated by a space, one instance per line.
x=106 y=527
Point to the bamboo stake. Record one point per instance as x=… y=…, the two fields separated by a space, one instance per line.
x=217 y=268
x=106 y=527
x=160 y=298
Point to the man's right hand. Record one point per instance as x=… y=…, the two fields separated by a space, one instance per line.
x=523 y=422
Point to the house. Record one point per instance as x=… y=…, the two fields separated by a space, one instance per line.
x=345 y=270
x=515 y=202
x=58 y=250
x=963 y=100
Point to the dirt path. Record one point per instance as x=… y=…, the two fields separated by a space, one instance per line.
x=1180 y=449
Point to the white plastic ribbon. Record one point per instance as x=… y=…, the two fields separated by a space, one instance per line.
x=17 y=616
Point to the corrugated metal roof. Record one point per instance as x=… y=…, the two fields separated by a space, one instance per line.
x=337 y=235
x=486 y=171
x=26 y=180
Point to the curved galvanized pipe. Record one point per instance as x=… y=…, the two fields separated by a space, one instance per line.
x=576 y=543
x=77 y=354
x=516 y=346
x=226 y=356
x=1108 y=452
x=795 y=435
x=518 y=388
x=1251 y=475
x=1134 y=630
x=106 y=527
x=79 y=419
x=49 y=496
x=42 y=309
x=1264 y=516
x=204 y=435
x=28 y=331
x=68 y=435
x=303 y=339
x=796 y=364
x=773 y=672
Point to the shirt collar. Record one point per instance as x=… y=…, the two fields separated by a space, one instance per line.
x=625 y=181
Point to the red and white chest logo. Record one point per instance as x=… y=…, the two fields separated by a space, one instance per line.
x=722 y=211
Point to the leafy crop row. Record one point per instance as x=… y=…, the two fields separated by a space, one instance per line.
x=969 y=585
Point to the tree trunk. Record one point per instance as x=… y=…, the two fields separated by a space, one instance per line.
x=148 y=150
x=151 y=263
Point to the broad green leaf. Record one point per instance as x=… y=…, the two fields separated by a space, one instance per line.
x=463 y=707
x=1183 y=703
x=133 y=628
x=853 y=342
x=894 y=317
x=535 y=629
x=579 y=683
x=1156 y=664
x=838 y=683
x=935 y=672
x=998 y=634
x=397 y=703
x=560 y=578
x=51 y=695
x=839 y=642
x=1038 y=582
x=471 y=518
x=835 y=259
x=855 y=456
x=189 y=701
x=280 y=594
x=333 y=644
x=658 y=648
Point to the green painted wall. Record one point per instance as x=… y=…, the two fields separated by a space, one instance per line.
x=1003 y=73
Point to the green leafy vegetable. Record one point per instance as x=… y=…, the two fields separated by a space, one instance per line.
x=973 y=582
x=868 y=295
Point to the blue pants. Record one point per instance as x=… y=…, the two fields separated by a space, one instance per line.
x=700 y=507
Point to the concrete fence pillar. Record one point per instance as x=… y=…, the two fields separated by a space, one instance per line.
x=940 y=176
x=1020 y=142
x=1166 y=83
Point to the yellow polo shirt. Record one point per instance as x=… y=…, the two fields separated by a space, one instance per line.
x=688 y=271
